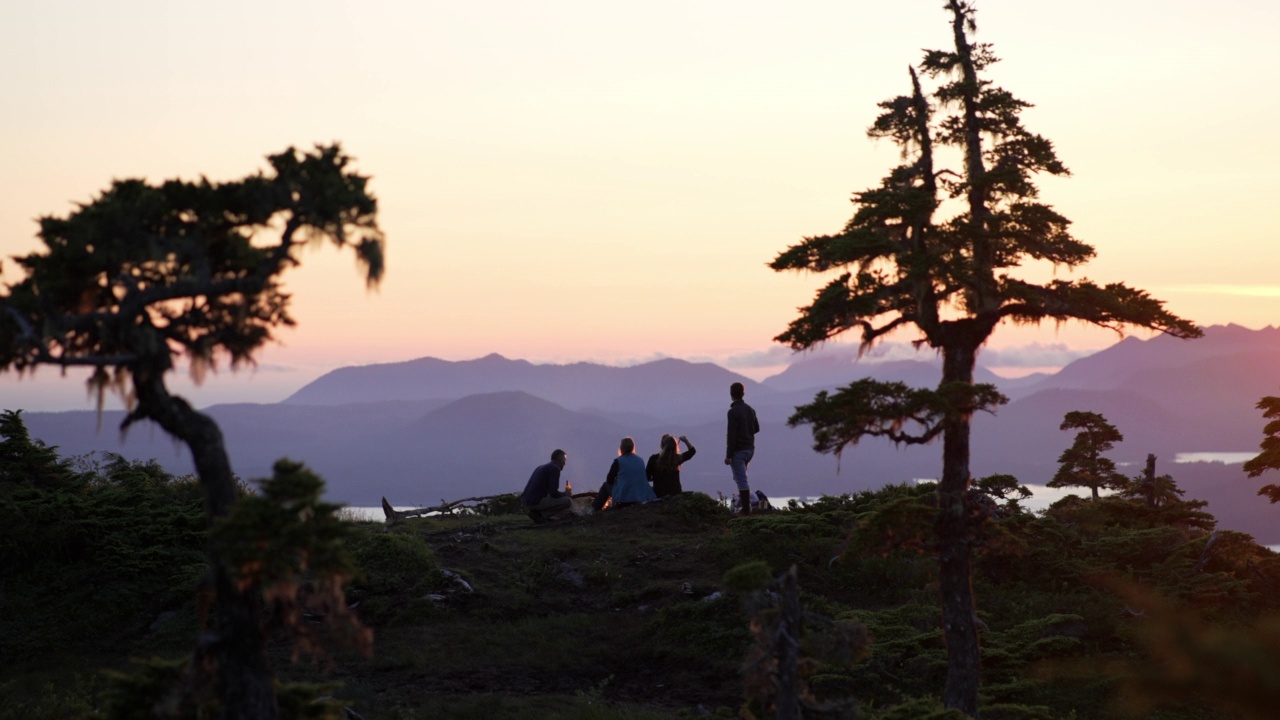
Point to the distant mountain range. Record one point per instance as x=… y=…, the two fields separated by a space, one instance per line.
x=668 y=389
x=428 y=429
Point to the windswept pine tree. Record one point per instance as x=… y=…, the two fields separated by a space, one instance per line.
x=147 y=275
x=952 y=279
x=1083 y=464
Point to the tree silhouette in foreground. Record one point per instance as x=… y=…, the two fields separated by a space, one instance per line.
x=952 y=281
x=146 y=275
x=1269 y=457
x=1082 y=464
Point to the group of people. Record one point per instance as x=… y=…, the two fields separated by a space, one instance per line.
x=631 y=480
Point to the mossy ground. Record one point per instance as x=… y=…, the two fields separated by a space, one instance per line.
x=617 y=613
x=629 y=615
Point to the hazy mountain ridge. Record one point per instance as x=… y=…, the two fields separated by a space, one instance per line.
x=1114 y=365
x=1167 y=396
x=830 y=371
x=663 y=388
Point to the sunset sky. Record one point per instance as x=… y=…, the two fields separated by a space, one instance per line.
x=571 y=180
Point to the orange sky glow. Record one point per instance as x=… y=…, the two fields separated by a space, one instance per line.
x=575 y=180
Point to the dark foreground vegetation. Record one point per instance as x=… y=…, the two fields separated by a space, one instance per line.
x=647 y=611
x=1093 y=609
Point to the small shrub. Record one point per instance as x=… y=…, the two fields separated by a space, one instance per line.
x=393 y=562
x=699 y=509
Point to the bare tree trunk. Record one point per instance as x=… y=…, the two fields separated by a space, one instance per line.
x=789 y=629
x=964 y=661
x=1149 y=480
x=232 y=653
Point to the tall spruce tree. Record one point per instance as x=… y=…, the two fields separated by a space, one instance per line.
x=952 y=280
x=1083 y=464
x=146 y=275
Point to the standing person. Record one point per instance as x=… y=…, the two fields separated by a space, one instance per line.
x=626 y=481
x=542 y=496
x=740 y=442
x=663 y=468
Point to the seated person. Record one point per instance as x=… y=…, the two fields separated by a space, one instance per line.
x=626 y=482
x=663 y=467
x=542 y=497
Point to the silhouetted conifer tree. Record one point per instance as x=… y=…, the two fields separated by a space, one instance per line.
x=1153 y=490
x=952 y=280
x=1082 y=464
x=1269 y=457
x=145 y=275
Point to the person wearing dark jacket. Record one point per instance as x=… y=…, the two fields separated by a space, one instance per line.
x=740 y=442
x=663 y=468
x=542 y=496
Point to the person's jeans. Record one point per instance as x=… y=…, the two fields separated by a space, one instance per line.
x=738 y=463
x=548 y=506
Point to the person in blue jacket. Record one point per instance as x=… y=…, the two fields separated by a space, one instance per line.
x=626 y=481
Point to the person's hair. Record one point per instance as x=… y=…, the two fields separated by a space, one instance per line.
x=627 y=445
x=557 y=455
x=669 y=453
x=737 y=390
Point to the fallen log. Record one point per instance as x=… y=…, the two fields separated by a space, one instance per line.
x=394 y=515
x=581 y=506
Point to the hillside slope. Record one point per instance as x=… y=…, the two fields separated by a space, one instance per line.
x=661 y=611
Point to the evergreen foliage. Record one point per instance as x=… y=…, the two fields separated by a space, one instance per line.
x=24 y=461
x=288 y=546
x=145 y=276
x=1269 y=457
x=395 y=567
x=1162 y=497
x=128 y=531
x=1004 y=487
x=900 y=265
x=1082 y=464
x=652 y=611
x=118 y=552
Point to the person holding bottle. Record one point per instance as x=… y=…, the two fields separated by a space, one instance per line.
x=542 y=497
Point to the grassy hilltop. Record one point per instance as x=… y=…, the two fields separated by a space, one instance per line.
x=668 y=610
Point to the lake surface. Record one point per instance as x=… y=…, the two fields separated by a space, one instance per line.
x=1041 y=498
x=1229 y=458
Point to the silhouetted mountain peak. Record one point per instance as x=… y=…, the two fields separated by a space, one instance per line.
x=1114 y=366
x=496 y=360
x=511 y=403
